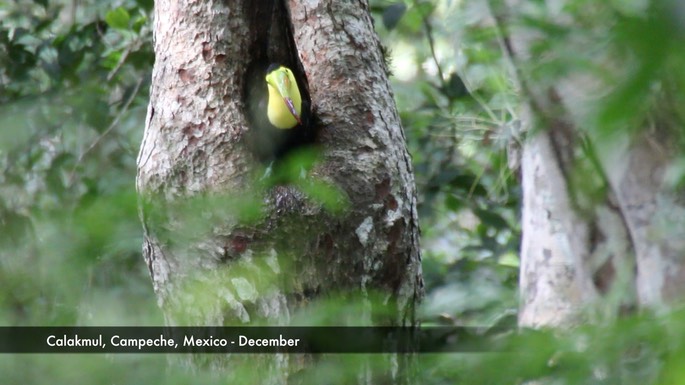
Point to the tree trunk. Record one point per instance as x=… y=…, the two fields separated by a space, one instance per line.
x=209 y=265
x=614 y=243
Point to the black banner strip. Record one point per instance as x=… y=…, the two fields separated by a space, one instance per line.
x=248 y=340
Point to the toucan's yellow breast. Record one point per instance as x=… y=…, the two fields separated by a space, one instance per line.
x=278 y=112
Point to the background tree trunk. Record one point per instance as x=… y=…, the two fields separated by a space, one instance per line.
x=597 y=207
x=208 y=266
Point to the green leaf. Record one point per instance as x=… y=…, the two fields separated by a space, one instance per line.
x=111 y=59
x=491 y=219
x=96 y=114
x=509 y=259
x=69 y=59
x=55 y=176
x=141 y=60
x=392 y=15
x=327 y=195
x=22 y=61
x=145 y=4
x=138 y=23
x=118 y=18
x=455 y=87
x=415 y=16
x=453 y=203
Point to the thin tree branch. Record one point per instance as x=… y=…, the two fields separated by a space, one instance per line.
x=431 y=42
x=109 y=129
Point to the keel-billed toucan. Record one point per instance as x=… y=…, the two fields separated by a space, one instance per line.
x=278 y=112
x=285 y=102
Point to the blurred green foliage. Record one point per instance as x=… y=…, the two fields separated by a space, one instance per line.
x=457 y=105
x=73 y=93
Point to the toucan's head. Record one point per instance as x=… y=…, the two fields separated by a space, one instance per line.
x=285 y=101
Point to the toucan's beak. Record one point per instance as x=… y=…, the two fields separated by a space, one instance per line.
x=283 y=85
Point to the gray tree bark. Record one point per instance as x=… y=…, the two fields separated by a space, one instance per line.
x=581 y=253
x=211 y=267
